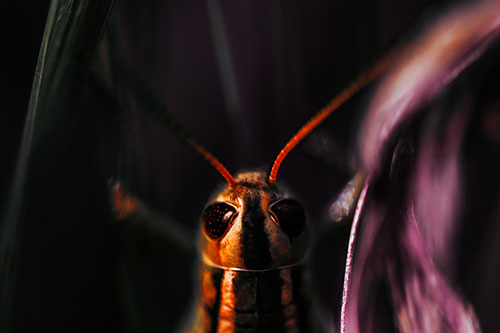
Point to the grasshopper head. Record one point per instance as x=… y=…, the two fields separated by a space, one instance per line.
x=253 y=225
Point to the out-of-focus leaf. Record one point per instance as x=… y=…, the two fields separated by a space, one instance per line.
x=424 y=70
x=421 y=224
x=54 y=119
x=396 y=286
x=437 y=184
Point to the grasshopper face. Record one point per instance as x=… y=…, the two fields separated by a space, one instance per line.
x=253 y=225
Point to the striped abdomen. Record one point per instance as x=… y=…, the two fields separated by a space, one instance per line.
x=232 y=300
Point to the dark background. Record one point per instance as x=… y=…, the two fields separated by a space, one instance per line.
x=23 y=24
x=289 y=59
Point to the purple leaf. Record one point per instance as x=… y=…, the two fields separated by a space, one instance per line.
x=424 y=69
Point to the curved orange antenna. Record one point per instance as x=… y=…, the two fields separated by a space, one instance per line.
x=191 y=142
x=334 y=104
x=211 y=159
x=158 y=111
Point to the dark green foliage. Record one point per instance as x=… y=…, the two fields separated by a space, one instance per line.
x=54 y=137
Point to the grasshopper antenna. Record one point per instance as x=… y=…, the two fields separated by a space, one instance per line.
x=210 y=159
x=191 y=142
x=158 y=111
x=363 y=80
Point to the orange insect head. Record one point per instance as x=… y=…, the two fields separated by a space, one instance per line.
x=252 y=226
x=334 y=104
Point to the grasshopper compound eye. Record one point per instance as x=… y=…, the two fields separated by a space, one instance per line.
x=218 y=218
x=289 y=215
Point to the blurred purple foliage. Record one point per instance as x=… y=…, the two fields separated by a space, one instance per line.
x=426 y=214
x=429 y=238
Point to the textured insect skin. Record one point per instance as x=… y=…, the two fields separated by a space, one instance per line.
x=253 y=278
x=251 y=301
